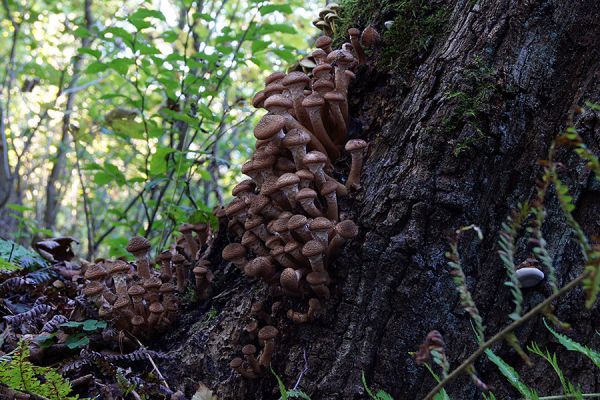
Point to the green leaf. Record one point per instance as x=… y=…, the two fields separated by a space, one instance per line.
x=77 y=340
x=95 y=67
x=72 y=324
x=121 y=65
x=129 y=128
x=138 y=18
x=259 y=45
x=270 y=8
x=511 y=375
x=297 y=394
x=265 y=29
x=120 y=33
x=102 y=178
x=282 y=388
x=91 y=52
x=91 y=325
x=158 y=162
x=82 y=32
x=572 y=345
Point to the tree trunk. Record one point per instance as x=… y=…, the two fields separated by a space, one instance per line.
x=455 y=137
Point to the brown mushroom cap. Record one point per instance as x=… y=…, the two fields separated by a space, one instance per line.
x=305 y=174
x=320 y=224
x=249 y=350
x=119 y=266
x=247 y=185
x=166 y=288
x=200 y=270
x=323 y=85
x=306 y=193
x=268 y=126
x=259 y=203
x=274 y=77
x=314 y=157
x=291 y=246
x=164 y=256
x=121 y=302
x=95 y=271
x=295 y=137
x=322 y=68
x=233 y=251
x=346 y=229
x=253 y=222
x=289 y=279
x=353 y=32
x=340 y=57
x=257 y=266
x=236 y=363
x=278 y=100
x=370 y=37
x=178 y=259
x=248 y=239
x=235 y=207
x=138 y=244
x=328 y=188
x=274 y=88
x=156 y=308
x=355 y=145
x=286 y=180
x=137 y=320
x=314 y=100
x=323 y=41
x=136 y=290
x=296 y=221
x=312 y=248
x=259 y=99
x=185 y=228
x=93 y=288
x=263 y=160
x=152 y=283
x=268 y=332
x=295 y=78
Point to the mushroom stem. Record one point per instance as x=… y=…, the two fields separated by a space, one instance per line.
x=355 y=147
x=360 y=53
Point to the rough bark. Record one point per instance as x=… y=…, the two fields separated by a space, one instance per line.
x=429 y=171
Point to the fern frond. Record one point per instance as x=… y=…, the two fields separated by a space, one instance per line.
x=591 y=284
x=572 y=138
x=506 y=242
x=572 y=345
x=13 y=284
x=54 y=323
x=458 y=276
x=551 y=359
x=538 y=210
x=512 y=376
x=513 y=341
x=28 y=316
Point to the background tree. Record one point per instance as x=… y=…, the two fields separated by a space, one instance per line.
x=459 y=103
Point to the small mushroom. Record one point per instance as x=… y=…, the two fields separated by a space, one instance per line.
x=295 y=82
x=370 y=37
x=140 y=247
x=235 y=253
x=313 y=104
x=354 y=38
x=324 y=43
x=237 y=365
x=306 y=197
x=252 y=242
x=249 y=352
x=313 y=250
x=318 y=282
x=179 y=265
x=137 y=293
x=298 y=225
x=260 y=267
x=288 y=184
x=164 y=259
x=355 y=147
x=296 y=141
x=156 y=309
x=267 y=336
x=315 y=161
x=118 y=270
x=328 y=191
x=258 y=310
x=192 y=245
x=344 y=231
x=320 y=228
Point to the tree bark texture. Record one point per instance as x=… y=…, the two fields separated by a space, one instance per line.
x=454 y=141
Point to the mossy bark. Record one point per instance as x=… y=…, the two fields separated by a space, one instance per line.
x=455 y=136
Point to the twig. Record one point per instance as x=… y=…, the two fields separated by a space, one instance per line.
x=500 y=335
x=304 y=370
x=571 y=396
x=160 y=376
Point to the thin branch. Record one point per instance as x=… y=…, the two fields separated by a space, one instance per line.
x=500 y=335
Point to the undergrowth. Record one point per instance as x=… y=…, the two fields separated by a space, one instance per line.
x=18 y=373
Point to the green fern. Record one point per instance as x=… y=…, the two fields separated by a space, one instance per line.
x=380 y=395
x=442 y=395
x=508 y=236
x=572 y=345
x=288 y=393
x=512 y=376
x=21 y=375
x=6 y=266
x=551 y=359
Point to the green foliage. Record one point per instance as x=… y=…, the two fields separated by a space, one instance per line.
x=442 y=395
x=511 y=375
x=160 y=116
x=458 y=276
x=19 y=256
x=20 y=374
x=288 y=393
x=506 y=242
x=380 y=395
x=417 y=23
x=572 y=345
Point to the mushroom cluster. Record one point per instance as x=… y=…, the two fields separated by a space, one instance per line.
x=328 y=16
x=285 y=218
x=141 y=299
x=259 y=330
